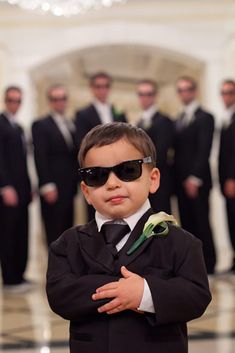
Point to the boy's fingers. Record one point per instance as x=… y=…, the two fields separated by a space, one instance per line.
x=111 y=285
x=110 y=293
x=115 y=303
x=126 y=273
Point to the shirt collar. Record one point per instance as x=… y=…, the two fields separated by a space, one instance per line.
x=231 y=110
x=99 y=105
x=148 y=113
x=191 y=107
x=9 y=116
x=131 y=220
x=57 y=116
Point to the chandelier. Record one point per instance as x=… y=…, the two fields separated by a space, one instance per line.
x=62 y=7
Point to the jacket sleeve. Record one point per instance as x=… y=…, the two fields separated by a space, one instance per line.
x=69 y=293
x=41 y=151
x=5 y=178
x=204 y=142
x=185 y=295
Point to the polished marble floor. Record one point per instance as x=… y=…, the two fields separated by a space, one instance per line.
x=28 y=325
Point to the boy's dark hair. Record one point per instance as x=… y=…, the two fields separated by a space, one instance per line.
x=100 y=74
x=106 y=134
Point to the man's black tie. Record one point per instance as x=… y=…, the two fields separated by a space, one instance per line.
x=113 y=234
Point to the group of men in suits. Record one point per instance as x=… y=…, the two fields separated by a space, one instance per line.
x=183 y=150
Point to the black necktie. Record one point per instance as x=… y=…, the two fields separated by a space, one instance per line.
x=182 y=121
x=113 y=234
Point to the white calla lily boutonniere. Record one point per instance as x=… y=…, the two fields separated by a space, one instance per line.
x=156 y=225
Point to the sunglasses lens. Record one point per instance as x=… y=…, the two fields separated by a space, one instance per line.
x=129 y=171
x=126 y=171
x=94 y=176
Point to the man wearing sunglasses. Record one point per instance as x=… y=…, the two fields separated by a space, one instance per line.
x=55 y=152
x=226 y=159
x=194 y=135
x=100 y=111
x=117 y=301
x=161 y=130
x=15 y=195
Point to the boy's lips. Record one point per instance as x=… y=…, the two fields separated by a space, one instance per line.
x=116 y=199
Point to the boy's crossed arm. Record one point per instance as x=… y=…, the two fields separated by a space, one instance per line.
x=126 y=293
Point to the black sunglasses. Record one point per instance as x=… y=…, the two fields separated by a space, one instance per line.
x=15 y=101
x=125 y=171
x=58 y=99
x=146 y=94
x=227 y=93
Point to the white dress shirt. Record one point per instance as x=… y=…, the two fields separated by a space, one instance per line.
x=146 y=301
x=147 y=114
x=104 y=110
x=63 y=126
x=189 y=112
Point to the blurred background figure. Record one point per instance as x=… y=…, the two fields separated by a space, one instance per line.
x=194 y=134
x=15 y=195
x=55 y=152
x=226 y=159
x=100 y=111
x=161 y=130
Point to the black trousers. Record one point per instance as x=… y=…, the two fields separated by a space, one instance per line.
x=13 y=242
x=194 y=216
x=230 y=206
x=57 y=217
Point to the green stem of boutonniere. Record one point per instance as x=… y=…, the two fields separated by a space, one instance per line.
x=155 y=226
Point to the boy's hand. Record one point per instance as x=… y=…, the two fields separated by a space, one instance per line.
x=126 y=293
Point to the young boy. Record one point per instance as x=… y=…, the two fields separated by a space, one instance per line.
x=119 y=302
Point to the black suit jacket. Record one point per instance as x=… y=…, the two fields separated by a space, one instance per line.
x=55 y=162
x=161 y=132
x=88 y=118
x=227 y=153
x=80 y=262
x=192 y=148
x=13 y=165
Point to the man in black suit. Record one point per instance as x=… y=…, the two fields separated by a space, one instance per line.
x=161 y=130
x=55 y=151
x=15 y=195
x=194 y=134
x=100 y=111
x=226 y=155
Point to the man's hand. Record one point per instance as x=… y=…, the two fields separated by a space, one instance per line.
x=51 y=196
x=126 y=293
x=10 y=196
x=191 y=188
x=229 y=188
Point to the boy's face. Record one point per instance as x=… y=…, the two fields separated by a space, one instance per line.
x=117 y=198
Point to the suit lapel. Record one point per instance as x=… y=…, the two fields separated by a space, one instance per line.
x=125 y=259
x=95 y=115
x=93 y=244
x=56 y=129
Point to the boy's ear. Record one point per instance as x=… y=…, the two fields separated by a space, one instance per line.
x=154 y=180
x=85 y=191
